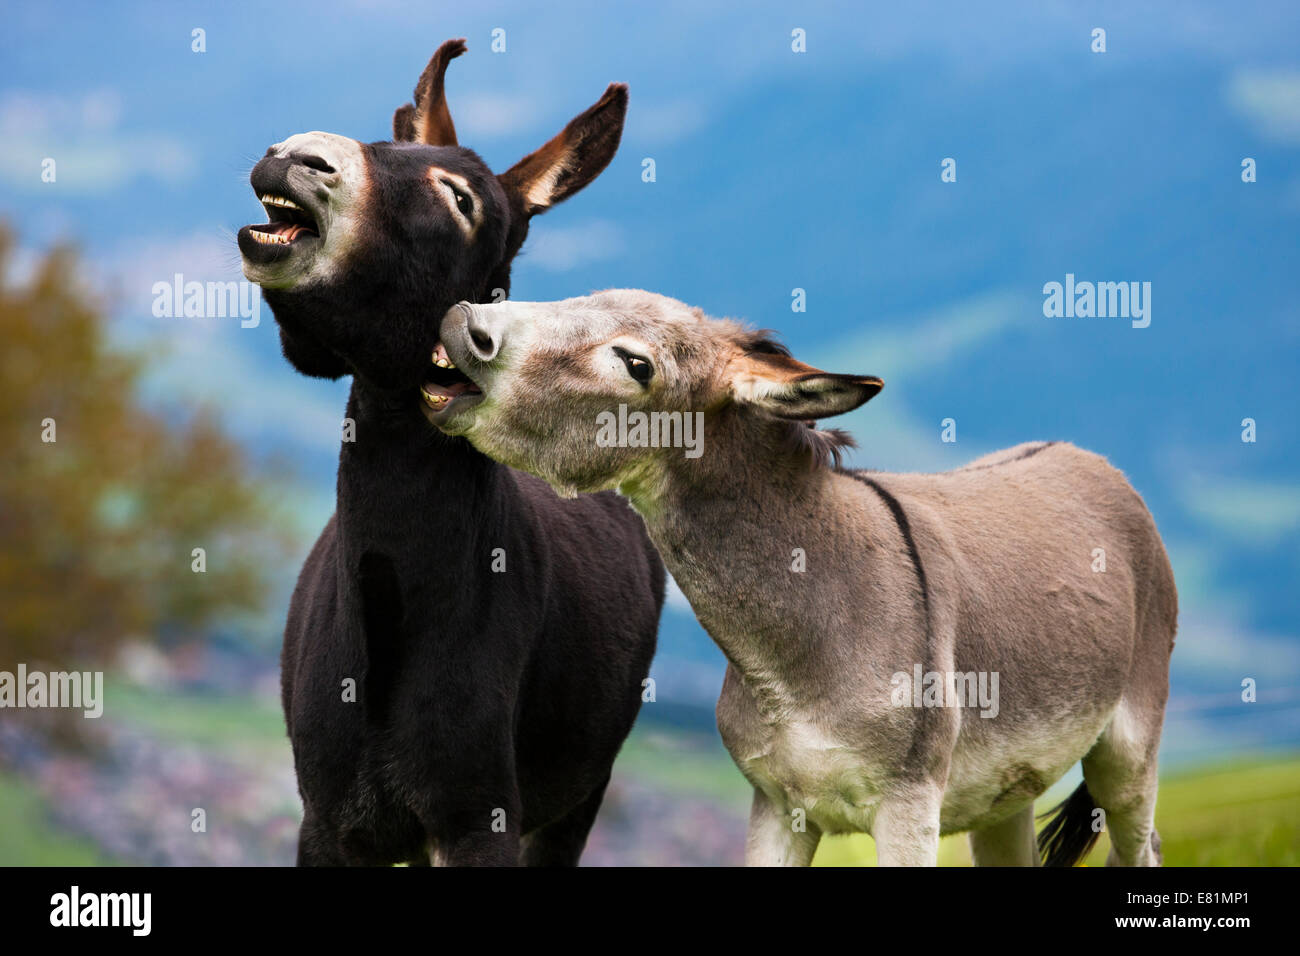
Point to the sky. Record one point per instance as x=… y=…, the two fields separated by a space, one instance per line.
x=778 y=170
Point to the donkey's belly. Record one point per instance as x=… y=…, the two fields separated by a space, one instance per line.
x=805 y=768
x=992 y=777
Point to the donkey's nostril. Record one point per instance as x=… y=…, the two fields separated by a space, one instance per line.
x=482 y=341
x=316 y=163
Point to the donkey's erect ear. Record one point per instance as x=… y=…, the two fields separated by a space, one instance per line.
x=786 y=388
x=429 y=120
x=573 y=158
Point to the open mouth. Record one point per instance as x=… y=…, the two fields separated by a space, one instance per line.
x=446 y=386
x=289 y=224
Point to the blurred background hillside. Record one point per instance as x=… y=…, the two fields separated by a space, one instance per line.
x=774 y=171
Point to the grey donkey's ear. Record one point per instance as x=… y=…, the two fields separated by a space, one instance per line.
x=428 y=120
x=786 y=388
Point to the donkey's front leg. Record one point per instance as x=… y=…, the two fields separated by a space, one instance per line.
x=467 y=792
x=479 y=831
x=906 y=827
x=478 y=848
x=777 y=838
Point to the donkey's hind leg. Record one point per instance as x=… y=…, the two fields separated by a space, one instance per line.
x=1120 y=771
x=1009 y=843
x=561 y=842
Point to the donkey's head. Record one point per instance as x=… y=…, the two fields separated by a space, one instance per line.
x=368 y=244
x=564 y=385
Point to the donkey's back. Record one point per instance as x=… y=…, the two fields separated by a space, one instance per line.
x=1054 y=528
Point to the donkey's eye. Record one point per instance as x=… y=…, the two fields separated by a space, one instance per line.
x=463 y=201
x=639 y=368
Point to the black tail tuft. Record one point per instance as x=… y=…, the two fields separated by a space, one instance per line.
x=1069 y=835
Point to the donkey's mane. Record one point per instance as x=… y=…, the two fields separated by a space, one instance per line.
x=822 y=448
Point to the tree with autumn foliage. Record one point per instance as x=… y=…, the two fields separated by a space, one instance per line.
x=103 y=501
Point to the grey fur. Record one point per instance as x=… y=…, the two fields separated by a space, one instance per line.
x=986 y=569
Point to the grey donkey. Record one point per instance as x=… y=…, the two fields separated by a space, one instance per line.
x=910 y=655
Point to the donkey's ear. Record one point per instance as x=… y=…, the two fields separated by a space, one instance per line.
x=573 y=158
x=429 y=120
x=786 y=388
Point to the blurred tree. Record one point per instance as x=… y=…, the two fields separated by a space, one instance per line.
x=98 y=527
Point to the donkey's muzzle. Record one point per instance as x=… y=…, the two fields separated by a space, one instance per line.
x=482 y=339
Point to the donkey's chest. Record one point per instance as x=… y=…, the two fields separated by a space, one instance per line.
x=801 y=760
x=811 y=772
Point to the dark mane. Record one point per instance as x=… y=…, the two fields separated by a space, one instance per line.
x=821 y=448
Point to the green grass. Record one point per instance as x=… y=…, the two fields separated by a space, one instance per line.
x=248 y=727
x=204 y=720
x=1245 y=813
x=27 y=838
x=687 y=763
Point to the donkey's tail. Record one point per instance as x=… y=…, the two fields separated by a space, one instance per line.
x=1069 y=835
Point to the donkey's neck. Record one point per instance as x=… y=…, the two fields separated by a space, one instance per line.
x=750 y=542
x=405 y=488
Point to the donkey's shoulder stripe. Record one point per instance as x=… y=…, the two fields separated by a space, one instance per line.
x=923 y=741
x=905 y=529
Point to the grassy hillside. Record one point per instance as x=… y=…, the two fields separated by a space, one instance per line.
x=1247 y=814
x=29 y=839
x=672 y=782
x=1243 y=814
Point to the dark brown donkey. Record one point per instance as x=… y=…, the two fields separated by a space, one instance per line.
x=496 y=636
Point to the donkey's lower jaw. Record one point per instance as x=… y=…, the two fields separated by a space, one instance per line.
x=444 y=402
x=281 y=232
x=271 y=251
x=439 y=396
x=270 y=238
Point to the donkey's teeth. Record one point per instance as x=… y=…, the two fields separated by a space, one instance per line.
x=440 y=358
x=434 y=401
x=271 y=200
